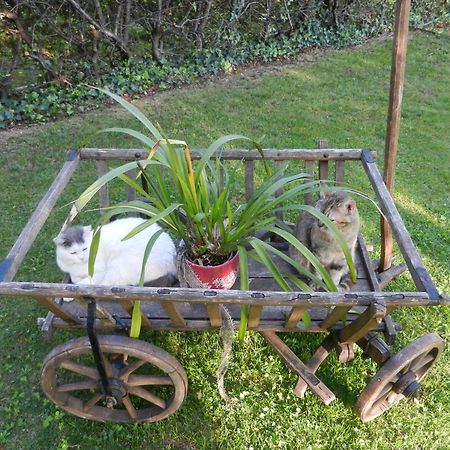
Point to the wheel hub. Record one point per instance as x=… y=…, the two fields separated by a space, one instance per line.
x=407 y=385
x=118 y=389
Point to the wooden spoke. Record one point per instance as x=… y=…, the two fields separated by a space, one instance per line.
x=77 y=386
x=146 y=395
x=91 y=403
x=143 y=380
x=129 y=407
x=89 y=372
x=131 y=368
x=60 y=387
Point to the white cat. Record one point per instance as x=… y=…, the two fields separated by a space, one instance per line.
x=118 y=262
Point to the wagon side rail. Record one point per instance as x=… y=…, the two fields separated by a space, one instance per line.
x=414 y=262
x=10 y=265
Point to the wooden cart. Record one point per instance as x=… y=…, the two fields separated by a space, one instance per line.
x=129 y=380
x=74 y=381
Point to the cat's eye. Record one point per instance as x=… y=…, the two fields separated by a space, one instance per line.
x=84 y=249
x=73 y=253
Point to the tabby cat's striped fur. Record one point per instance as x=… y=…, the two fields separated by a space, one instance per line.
x=341 y=210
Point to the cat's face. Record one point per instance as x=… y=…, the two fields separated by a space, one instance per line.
x=72 y=245
x=339 y=208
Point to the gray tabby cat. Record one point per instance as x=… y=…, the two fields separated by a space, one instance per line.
x=341 y=210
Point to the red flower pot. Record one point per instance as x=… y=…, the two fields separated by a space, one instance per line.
x=217 y=277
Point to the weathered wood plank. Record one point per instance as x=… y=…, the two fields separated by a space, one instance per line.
x=276 y=298
x=394 y=113
x=366 y=322
x=294 y=316
x=338 y=313
x=323 y=165
x=309 y=167
x=197 y=325
x=10 y=265
x=340 y=173
x=249 y=178
x=131 y=193
x=314 y=363
x=103 y=193
x=414 y=262
x=214 y=314
x=254 y=316
x=172 y=311
x=56 y=309
x=297 y=366
x=241 y=154
x=368 y=266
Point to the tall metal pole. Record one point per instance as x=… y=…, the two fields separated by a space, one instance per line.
x=393 y=123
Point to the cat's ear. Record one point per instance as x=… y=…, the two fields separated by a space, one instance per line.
x=87 y=231
x=58 y=240
x=350 y=205
x=324 y=190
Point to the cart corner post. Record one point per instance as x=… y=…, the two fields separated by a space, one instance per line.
x=393 y=121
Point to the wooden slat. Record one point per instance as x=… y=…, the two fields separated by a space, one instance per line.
x=102 y=169
x=214 y=314
x=394 y=114
x=335 y=315
x=307 y=299
x=131 y=193
x=365 y=323
x=198 y=325
x=10 y=265
x=414 y=262
x=297 y=366
x=309 y=167
x=254 y=316
x=323 y=165
x=294 y=316
x=233 y=154
x=340 y=173
x=368 y=266
x=173 y=313
x=314 y=363
x=249 y=180
x=56 y=309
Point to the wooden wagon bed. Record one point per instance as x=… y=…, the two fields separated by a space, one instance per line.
x=347 y=318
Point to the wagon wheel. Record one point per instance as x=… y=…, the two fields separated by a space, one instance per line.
x=399 y=376
x=147 y=383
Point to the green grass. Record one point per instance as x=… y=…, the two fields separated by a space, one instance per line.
x=342 y=97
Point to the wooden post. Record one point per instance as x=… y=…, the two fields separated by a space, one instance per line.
x=393 y=123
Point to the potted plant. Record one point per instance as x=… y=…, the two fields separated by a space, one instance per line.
x=192 y=198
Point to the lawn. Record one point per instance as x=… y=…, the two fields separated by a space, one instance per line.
x=341 y=96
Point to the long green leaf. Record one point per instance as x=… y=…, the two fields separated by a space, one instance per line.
x=136 y=320
x=134 y=111
x=87 y=195
x=307 y=254
x=148 y=249
x=93 y=250
x=136 y=134
x=261 y=252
